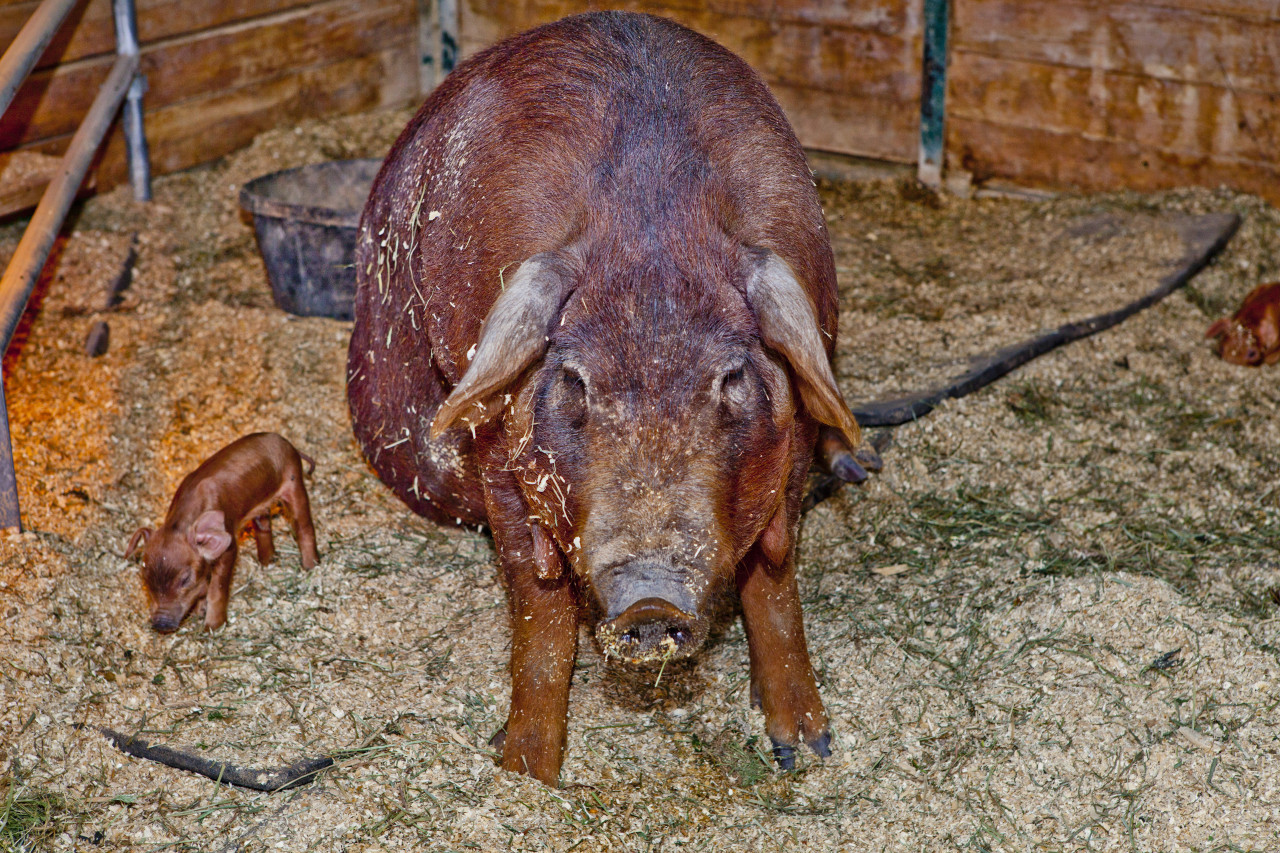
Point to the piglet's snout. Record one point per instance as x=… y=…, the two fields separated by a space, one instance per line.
x=166 y=622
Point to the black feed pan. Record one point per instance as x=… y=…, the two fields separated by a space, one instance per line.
x=306 y=220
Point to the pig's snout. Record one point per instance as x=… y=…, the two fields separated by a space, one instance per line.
x=651 y=612
x=652 y=629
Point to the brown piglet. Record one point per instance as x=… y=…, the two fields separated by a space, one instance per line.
x=1251 y=336
x=192 y=556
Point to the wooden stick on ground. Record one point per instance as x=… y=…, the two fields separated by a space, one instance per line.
x=270 y=780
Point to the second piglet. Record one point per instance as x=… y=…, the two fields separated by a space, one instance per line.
x=1251 y=336
x=192 y=556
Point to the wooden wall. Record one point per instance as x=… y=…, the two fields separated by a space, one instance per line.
x=218 y=72
x=847 y=72
x=1091 y=94
x=1080 y=94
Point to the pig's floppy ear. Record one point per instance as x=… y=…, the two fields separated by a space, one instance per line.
x=789 y=325
x=1219 y=328
x=209 y=534
x=512 y=337
x=137 y=542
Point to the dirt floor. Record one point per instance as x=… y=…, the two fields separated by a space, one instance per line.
x=1051 y=623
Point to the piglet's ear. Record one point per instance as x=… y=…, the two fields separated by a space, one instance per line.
x=789 y=325
x=1218 y=329
x=137 y=542
x=512 y=337
x=1269 y=334
x=209 y=535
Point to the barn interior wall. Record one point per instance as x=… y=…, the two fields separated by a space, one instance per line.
x=1097 y=95
x=831 y=65
x=1068 y=94
x=218 y=73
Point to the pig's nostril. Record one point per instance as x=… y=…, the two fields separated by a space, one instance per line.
x=651 y=629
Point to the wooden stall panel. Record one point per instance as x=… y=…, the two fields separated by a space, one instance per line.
x=89 y=29
x=219 y=72
x=847 y=73
x=1142 y=95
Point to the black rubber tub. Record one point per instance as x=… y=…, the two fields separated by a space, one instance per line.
x=305 y=220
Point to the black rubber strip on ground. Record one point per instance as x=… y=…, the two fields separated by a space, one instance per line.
x=1204 y=236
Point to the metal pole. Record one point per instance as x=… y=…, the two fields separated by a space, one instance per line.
x=33 y=250
x=33 y=38
x=10 y=518
x=448 y=35
x=933 y=92
x=135 y=136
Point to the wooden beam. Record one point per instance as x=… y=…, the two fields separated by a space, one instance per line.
x=228 y=58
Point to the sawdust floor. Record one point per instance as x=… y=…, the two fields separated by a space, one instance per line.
x=1048 y=625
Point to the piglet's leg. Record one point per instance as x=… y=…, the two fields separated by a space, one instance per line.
x=262 y=535
x=782 y=678
x=215 y=606
x=294 y=496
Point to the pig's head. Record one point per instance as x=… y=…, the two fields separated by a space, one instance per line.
x=177 y=563
x=1239 y=343
x=655 y=419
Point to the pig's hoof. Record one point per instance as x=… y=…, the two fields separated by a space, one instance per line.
x=868 y=458
x=844 y=466
x=498 y=741
x=785 y=754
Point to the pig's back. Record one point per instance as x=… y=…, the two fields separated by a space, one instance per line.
x=614 y=124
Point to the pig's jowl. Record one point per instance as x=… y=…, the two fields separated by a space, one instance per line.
x=596 y=309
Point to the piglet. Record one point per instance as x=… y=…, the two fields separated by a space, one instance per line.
x=1251 y=336
x=192 y=556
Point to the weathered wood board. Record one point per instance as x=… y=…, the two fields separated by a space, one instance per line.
x=1096 y=95
x=217 y=73
x=846 y=73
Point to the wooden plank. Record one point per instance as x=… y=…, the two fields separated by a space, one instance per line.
x=1037 y=157
x=201 y=129
x=90 y=29
x=1188 y=120
x=886 y=129
x=1179 y=44
x=23 y=178
x=796 y=52
x=52 y=102
x=887 y=17
x=850 y=89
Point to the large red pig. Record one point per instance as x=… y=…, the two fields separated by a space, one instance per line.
x=596 y=309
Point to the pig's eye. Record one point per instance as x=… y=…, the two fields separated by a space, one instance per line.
x=574 y=391
x=733 y=386
x=186 y=580
x=573 y=381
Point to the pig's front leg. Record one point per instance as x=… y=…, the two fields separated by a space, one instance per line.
x=544 y=640
x=782 y=680
x=544 y=644
x=262 y=536
x=215 y=606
